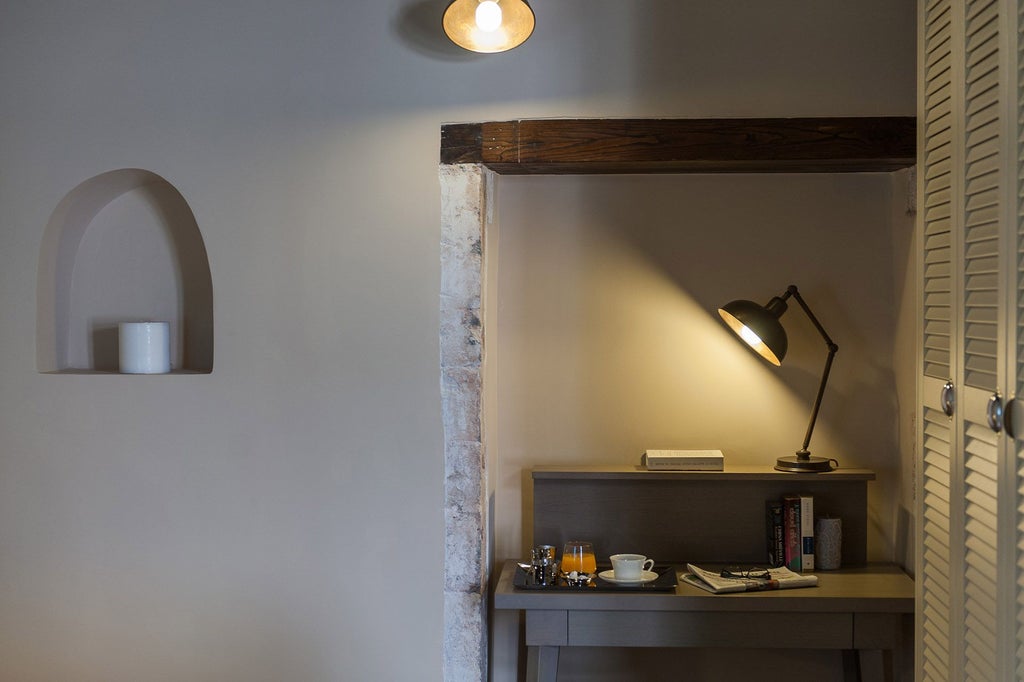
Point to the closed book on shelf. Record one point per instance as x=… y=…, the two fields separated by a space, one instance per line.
x=792 y=530
x=683 y=460
x=806 y=532
x=775 y=533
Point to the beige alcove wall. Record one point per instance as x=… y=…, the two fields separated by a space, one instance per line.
x=122 y=246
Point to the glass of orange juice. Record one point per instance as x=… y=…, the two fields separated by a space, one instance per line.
x=578 y=556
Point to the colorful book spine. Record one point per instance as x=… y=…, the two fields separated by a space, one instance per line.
x=792 y=528
x=775 y=533
x=806 y=533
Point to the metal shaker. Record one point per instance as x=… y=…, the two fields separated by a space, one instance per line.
x=545 y=569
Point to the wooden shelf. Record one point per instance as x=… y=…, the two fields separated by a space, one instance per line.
x=678 y=516
x=731 y=472
x=727 y=145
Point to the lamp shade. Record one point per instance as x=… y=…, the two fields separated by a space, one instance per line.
x=759 y=327
x=488 y=25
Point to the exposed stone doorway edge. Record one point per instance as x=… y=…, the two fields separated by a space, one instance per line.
x=466 y=193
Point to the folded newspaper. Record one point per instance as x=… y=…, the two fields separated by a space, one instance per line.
x=777 y=579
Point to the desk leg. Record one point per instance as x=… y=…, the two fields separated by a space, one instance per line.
x=868 y=665
x=851 y=666
x=541 y=663
x=876 y=665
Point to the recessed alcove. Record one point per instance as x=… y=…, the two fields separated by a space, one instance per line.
x=122 y=246
x=472 y=158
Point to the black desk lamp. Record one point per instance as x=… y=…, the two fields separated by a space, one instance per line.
x=760 y=328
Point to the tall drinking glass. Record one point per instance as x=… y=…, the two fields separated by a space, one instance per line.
x=578 y=556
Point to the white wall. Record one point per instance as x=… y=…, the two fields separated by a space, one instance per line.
x=204 y=528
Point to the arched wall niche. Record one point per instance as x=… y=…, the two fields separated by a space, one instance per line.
x=122 y=246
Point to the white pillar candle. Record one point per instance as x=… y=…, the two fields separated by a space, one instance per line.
x=144 y=347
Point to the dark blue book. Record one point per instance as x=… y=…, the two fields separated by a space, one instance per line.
x=775 y=533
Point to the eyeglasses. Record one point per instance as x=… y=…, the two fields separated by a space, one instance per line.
x=746 y=573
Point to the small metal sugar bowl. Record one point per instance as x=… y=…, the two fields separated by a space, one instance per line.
x=577 y=578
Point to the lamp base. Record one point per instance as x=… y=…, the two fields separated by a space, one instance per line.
x=804 y=464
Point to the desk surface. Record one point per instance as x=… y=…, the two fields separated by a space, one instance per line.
x=875 y=588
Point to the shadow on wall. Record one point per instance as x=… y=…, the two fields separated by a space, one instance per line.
x=418 y=25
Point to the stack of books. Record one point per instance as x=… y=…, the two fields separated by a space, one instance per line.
x=790 y=532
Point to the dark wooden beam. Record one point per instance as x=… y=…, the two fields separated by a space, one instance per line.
x=727 y=145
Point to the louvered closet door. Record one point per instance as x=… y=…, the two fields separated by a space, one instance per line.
x=1015 y=366
x=936 y=174
x=979 y=552
x=936 y=611
x=979 y=338
x=934 y=580
x=972 y=534
x=1015 y=461
x=1016 y=455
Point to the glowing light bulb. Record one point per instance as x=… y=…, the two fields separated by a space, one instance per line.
x=488 y=16
x=750 y=337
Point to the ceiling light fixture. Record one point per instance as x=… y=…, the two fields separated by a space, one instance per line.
x=488 y=25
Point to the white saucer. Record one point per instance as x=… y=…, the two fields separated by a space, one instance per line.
x=645 y=577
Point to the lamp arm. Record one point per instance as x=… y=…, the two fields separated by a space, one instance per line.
x=792 y=291
x=803 y=451
x=832 y=348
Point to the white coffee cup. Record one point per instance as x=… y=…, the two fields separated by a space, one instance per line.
x=630 y=566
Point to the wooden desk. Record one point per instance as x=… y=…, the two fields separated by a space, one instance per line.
x=864 y=612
